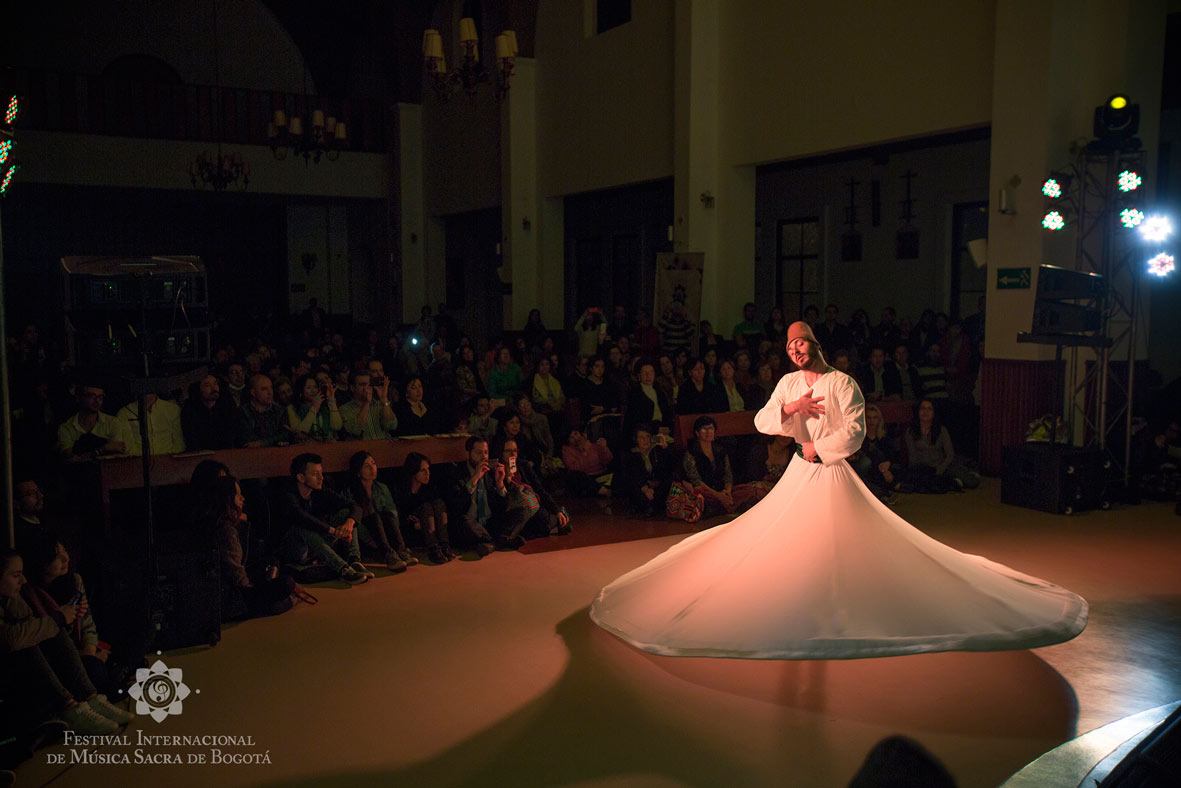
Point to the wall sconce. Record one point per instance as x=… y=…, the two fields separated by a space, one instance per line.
x=707 y=199
x=1006 y=203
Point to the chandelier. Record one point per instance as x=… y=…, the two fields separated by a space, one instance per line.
x=223 y=170
x=326 y=137
x=470 y=73
x=220 y=171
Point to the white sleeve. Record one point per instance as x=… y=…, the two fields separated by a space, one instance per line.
x=770 y=419
x=845 y=435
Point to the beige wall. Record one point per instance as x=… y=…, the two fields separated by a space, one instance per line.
x=818 y=77
x=605 y=102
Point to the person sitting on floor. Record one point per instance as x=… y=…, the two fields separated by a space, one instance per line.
x=39 y=657
x=423 y=505
x=476 y=498
x=586 y=465
x=530 y=511
x=646 y=473
x=380 y=527
x=321 y=525
x=222 y=514
x=706 y=467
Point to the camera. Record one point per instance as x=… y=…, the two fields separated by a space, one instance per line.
x=377 y=380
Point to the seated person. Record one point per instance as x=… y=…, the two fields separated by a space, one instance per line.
x=875 y=462
x=90 y=432
x=31 y=532
x=222 y=515
x=879 y=380
x=696 y=395
x=586 y=464
x=482 y=422
x=379 y=525
x=535 y=428
x=734 y=392
x=423 y=505
x=476 y=499
x=207 y=419
x=315 y=416
x=414 y=417
x=261 y=422
x=530 y=511
x=321 y=525
x=506 y=377
x=647 y=403
x=41 y=661
x=368 y=414
x=706 y=468
x=599 y=398
x=647 y=472
x=511 y=427
x=548 y=397
x=165 y=435
x=48 y=569
x=931 y=466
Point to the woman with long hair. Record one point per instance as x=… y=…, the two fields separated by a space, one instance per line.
x=875 y=462
x=424 y=506
x=380 y=527
x=414 y=417
x=314 y=416
x=930 y=456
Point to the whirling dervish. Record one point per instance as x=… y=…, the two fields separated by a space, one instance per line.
x=820 y=568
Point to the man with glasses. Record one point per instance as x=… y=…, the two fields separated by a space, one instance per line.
x=90 y=432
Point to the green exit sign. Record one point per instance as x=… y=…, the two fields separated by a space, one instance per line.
x=1012 y=278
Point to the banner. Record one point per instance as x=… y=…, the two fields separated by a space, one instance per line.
x=678 y=278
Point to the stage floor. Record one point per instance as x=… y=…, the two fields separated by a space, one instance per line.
x=490 y=673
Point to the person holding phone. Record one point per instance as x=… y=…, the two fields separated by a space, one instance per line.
x=314 y=417
x=530 y=511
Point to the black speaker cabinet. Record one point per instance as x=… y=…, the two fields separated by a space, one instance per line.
x=1058 y=479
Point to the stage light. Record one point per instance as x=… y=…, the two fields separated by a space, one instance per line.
x=1115 y=124
x=1161 y=264
x=1117 y=102
x=1156 y=228
x=1129 y=181
x=1131 y=217
x=1053 y=221
x=8 y=178
x=5 y=149
x=14 y=107
x=1052 y=189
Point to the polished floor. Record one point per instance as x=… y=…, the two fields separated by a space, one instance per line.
x=489 y=673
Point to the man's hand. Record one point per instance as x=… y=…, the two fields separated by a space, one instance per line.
x=648 y=492
x=116 y=447
x=382 y=392
x=481 y=469
x=68 y=612
x=601 y=443
x=807 y=406
x=82 y=608
x=809 y=450
x=498 y=474
x=563 y=518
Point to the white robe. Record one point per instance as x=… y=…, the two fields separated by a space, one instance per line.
x=821 y=569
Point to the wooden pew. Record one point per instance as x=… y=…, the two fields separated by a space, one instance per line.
x=126 y=473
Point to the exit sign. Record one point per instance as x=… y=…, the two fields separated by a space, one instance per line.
x=1012 y=278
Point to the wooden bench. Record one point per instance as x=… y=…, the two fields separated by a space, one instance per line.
x=742 y=422
x=126 y=473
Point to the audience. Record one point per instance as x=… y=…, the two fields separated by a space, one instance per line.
x=424 y=507
x=165 y=435
x=379 y=527
x=261 y=422
x=317 y=530
x=90 y=432
x=368 y=415
x=647 y=472
x=315 y=417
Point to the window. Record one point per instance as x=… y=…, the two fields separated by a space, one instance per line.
x=798 y=270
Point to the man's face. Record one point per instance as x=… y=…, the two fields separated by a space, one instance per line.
x=801 y=352
x=901 y=356
x=525 y=407
x=830 y=314
x=877 y=357
x=90 y=399
x=210 y=389
x=262 y=393
x=236 y=375
x=376 y=369
x=598 y=369
x=748 y=313
x=362 y=391
x=312 y=476
x=647 y=375
x=811 y=315
x=643 y=440
x=29 y=498
x=483 y=406
x=478 y=454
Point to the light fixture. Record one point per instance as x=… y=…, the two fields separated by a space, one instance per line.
x=1156 y=228
x=470 y=73
x=1129 y=181
x=1162 y=264
x=1052 y=189
x=1115 y=124
x=8 y=175
x=325 y=138
x=1131 y=217
x=1053 y=221
x=8 y=145
x=14 y=108
x=218 y=171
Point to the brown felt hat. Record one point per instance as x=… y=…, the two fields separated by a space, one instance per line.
x=800 y=330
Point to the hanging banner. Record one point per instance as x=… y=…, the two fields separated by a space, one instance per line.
x=678 y=278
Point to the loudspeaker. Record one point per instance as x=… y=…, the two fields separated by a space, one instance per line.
x=1057 y=479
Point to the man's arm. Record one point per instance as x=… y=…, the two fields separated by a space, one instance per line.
x=300 y=517
x=771 y=418
x=847 y=404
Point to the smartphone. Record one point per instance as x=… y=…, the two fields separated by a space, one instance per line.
x=77 y=598
x=602 y=330
x=512 y=466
